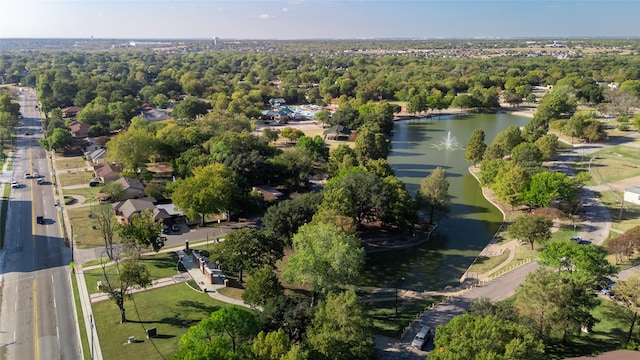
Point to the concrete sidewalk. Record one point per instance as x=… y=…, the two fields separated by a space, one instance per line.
x=193 y=273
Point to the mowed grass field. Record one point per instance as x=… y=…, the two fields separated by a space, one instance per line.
x=171 y=310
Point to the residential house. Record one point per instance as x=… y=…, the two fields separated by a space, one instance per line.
x=97 y=156
x=106 y=172
x=268 y=193
x=338 y=132
x=126 y=209
x=277 y=102
x=160 y=170
x=133 y=188
x=70 y=112
x=632 y=194
x=79 y=130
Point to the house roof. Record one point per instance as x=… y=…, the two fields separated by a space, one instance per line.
x=104 y=170
x=71 y=110
x=611 y=355
x=133 y=206
x=170 y=209
x=268 y=193
x=337 y=129
x=633 y=189
x=128 y=183
x=97 y=154
x=77 y=126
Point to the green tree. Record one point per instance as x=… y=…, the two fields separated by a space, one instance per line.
x=627 y=293
x=568 y=255
x=323 y=116
x=114 y=191
x=59 y=140
x=284 y=218
x=270 y=134
x=508 y=139
x=142 y=232
x=527 y=155
x=547 y=186
x=262 y=286
x=371 y=144
x=475 y=147
x=294 y=166
x=316 y=147
x=489 y=171
x=248 y=249
x=340 y=158
x=292 y=134
x=130 y=273
x=548 y=146
x=341 y=329
x=470 y=336
x=531 y=228
x=510 y=183
x=223 y=335
x=210 y=190
x=433 y=195
x=324 y=257
x=190 y=108
x=555 y=307
x=271 y=346
x=131 y=148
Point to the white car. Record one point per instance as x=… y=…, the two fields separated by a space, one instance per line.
x=421 y=338
x=27 y=176
x=15 y=184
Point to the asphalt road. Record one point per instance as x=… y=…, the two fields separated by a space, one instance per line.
x=37 y=318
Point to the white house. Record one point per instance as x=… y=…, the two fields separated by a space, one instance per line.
x=632 y=194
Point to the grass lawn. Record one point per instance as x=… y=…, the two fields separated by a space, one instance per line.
x=630 y=212
x=75 y=178
x=384 y=318
x=615 y=163
x=64 y=163
x=83 y=230
x=89 y=193
x=486 y=263
x=86 y=350
x=171 y=310
x=160 y=266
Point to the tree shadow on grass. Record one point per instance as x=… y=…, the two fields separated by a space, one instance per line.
x=198 y=306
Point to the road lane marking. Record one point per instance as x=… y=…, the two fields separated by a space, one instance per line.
x=35 y=316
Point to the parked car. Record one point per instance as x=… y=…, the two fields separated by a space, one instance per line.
x=165 y=229
x=421 y=338
x=94 y=182
x=576 y=238
x=175 y=227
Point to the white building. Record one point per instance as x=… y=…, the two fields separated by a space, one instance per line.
x=632 y=194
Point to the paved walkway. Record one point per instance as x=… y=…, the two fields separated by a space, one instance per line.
x=193 y=273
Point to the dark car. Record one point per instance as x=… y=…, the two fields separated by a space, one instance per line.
x=175 y=227
x=165 y=229
x=94 y=183
x=40 y=219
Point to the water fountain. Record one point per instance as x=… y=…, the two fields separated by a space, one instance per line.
x=448 y=143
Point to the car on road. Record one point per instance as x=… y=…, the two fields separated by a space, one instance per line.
x=576 y=238
x=27 y=176
x=35 y=175
x=40 y=181
x=27 y=133
x=421 y=338
x=40 y=219
x=15 y=184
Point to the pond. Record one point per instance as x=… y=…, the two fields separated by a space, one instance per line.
x=419 y=146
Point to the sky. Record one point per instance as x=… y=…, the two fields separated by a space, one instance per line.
x=317 y=19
